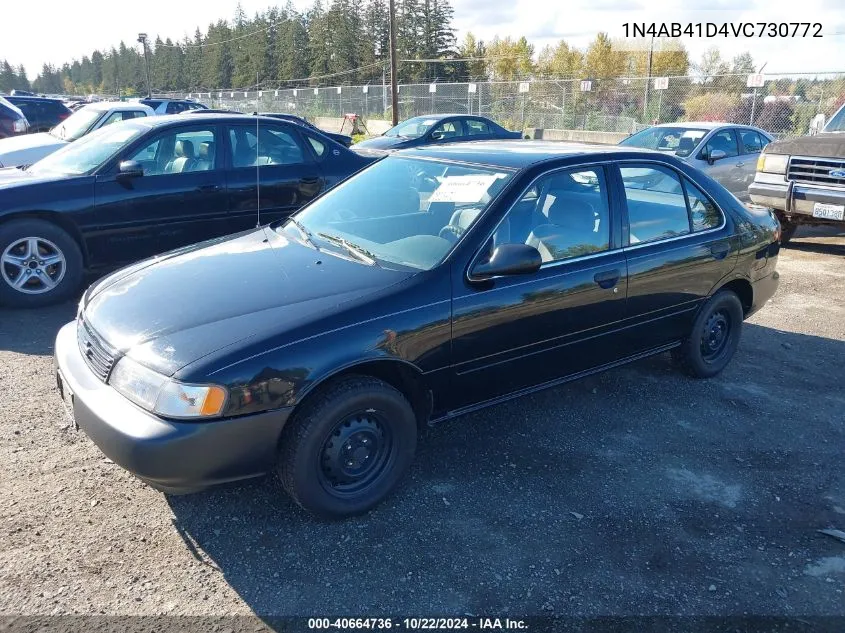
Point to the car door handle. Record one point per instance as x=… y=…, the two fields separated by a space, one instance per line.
x=740 y=164
x=208 y=188
x=720 y=251
x=608 y=279
x=309 y=181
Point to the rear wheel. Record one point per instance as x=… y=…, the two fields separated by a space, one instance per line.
x=40 y=264
x=714 y=336
x=348 y=447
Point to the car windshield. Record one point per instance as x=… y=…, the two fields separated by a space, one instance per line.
x=76 y=124
x=412 y=128
x=681 y=141
x=403 y=211
x=837 y=122
x=89 y=152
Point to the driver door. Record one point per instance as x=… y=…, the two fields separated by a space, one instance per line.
x=727 y=171
x=179 y=200
x=270 y=173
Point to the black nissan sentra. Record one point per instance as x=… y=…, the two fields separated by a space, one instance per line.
x=433 y=283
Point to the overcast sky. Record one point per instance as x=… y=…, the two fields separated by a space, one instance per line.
x=73 y=29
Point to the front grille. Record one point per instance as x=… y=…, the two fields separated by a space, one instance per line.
x=816 y=171
x=97 y=357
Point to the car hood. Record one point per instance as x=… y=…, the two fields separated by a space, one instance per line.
x=14 y=177
x=28 y=141
x=383 y=142
x=825 y=145
x=174 y=309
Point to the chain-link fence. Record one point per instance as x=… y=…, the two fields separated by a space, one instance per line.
x=785 y=105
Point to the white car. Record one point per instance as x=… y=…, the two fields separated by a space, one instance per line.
x=21 y=151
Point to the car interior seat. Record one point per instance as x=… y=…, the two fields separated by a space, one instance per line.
x=685 y=145
x=206 y=156
x=184 y=158
x=571 y=222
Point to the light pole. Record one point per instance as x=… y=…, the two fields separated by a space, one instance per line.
x=394 y=88
x=142 y=38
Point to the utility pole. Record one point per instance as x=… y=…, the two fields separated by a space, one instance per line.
x=394 y=88
x=142 y=38
x=648 y=81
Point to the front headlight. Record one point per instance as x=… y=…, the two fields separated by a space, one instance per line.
x=772 y=163
x=164 y=396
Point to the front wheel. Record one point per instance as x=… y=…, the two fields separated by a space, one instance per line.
x=348 y=447
x=40 y=264
x=714 y=336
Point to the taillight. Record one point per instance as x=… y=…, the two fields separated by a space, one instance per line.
x=64 y=115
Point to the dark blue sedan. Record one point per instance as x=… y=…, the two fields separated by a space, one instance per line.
x=145 y=186
x=438 y=128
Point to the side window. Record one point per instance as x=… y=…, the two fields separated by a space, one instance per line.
x=705 y=215
x=448 y=130
x=123 y=115
x=564 y=215
x=175 y=107
x=178 y=153
x=724 y=140
x=656 y=206
x=318 y=147
x=752 y=142
x=271 y=147
x=476 y=127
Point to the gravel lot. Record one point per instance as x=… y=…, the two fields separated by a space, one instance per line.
x=638 y=491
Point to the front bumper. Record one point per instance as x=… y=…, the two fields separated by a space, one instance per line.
x=777 y=196
x=171 y=456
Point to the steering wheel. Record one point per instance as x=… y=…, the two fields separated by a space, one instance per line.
x=451 y=232
x=425 y=182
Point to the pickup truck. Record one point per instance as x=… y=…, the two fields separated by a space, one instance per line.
x=803 y=179
x=22 y=151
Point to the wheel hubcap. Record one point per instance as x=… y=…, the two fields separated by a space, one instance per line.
x=355 y=453
x=33 y=265
x=716 y=334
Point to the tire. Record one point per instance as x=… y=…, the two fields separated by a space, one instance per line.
x=787 y=230
x=356 y=418
x=714 y=337
x=22 y=243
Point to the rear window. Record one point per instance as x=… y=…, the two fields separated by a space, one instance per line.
x=153 y=103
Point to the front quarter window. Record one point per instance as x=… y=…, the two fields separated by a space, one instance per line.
x=402 y=211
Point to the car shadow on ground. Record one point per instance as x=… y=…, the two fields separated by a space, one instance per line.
x=34 y=331
x=635 y=491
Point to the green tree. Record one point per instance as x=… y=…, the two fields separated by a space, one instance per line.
x=474 y=51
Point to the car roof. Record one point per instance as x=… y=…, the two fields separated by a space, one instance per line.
x=115 y=105
x=173 y=119
x=32 y=98
x=516 y=153
x=704 y=125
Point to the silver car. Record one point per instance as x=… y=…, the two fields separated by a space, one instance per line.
x=724 y=151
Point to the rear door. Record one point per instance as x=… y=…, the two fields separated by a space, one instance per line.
x=678 y=246
x=270 y=172
x=180 y=199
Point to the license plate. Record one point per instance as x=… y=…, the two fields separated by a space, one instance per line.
x=67 y=398
x=829 y=211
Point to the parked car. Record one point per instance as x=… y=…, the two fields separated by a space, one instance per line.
x=343 y=139
x=172 y=106
x=435 y=282
x=26 y=150
x=803 y=178
x=12 y=120
x=22 y=93
x=437 y=128
x=149 y=185
x=726 y=152
x=42 y=114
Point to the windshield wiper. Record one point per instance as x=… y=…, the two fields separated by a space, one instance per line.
x=305 y=232
x=358 y=251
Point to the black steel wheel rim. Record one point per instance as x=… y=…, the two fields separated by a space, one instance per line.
x=716 y=334
x=355 y=454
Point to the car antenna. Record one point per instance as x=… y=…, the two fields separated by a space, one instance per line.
x=257 y=172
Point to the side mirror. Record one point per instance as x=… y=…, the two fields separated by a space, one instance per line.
x=437 y=135
x=508 y=259
x=130 y=169
x=716 y=154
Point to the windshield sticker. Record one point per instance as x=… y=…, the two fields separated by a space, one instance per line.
x=464 y=188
